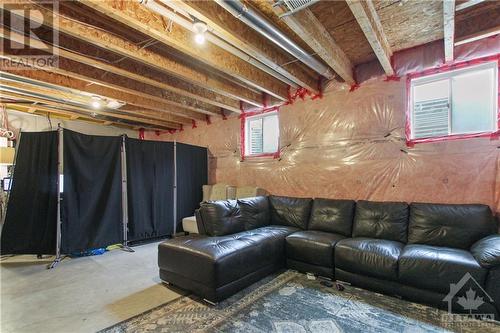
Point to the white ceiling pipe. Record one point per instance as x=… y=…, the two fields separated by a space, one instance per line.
x=261 y=25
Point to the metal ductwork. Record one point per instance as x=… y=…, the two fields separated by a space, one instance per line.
x=261 y=25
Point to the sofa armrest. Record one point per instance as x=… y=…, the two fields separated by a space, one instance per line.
x=487 y=251
x=199 y=223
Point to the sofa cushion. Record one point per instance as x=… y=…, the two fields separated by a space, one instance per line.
x=487 y=251
x=254 y=212
x=312 y=247
x=369 y=256
x=383 y=220
x=288 y=211
x=221 y=217
x=217 y=261
x=456 y=226
x=332 y=216
x=436 y=268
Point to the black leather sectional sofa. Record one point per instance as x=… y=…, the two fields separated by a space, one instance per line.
x=414 y=251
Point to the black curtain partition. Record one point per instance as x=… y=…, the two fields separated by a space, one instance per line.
x=92 y=199
x=150 y=175
x=192 y=174
x=30 y=222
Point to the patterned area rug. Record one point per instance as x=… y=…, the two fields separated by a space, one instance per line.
x=290 y=302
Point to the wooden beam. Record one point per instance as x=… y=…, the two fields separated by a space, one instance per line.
x=477 y=36
x=200 y=100
x=170 y=66
x=73 y=97
x=77 y=113
x=449 y=29
x=310 y=29
x=467 y=4
x=60 y=77
x=114 y=81
x=224 y=25
x=140 y=18
x=367 y=17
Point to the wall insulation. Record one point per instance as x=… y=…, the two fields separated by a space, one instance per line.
x=352 y=145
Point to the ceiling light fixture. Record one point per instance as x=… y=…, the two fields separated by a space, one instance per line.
x=96 y=102
x=199 y=29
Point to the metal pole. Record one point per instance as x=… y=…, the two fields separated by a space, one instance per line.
x=175 y=188
x=125 y=246
x=58 y=218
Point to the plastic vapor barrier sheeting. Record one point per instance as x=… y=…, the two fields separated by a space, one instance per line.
x=352 y=145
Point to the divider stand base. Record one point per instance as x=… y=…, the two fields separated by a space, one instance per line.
x=56 y=261
x=126 y=248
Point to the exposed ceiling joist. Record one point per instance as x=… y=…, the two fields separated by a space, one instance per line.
x=170 y=66
x=76 y=87
x=55 y=102
x=76 y=112
x=368 y=20
x=140 y=18
x=224 y=25
x=306 y=25
x=477 y=36
x=467 y=4
x=449 y=29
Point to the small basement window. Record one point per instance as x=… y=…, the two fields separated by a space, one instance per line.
x=262 y=134
x=458 y=102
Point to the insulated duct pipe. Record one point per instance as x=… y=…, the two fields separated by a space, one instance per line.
x=261 y=25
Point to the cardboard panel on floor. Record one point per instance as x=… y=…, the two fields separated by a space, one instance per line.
x=192 y=174
x=92 y=199
x=30 y=222
x=150 y=182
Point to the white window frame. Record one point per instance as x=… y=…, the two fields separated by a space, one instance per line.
x=247 y=134
x=448 y=75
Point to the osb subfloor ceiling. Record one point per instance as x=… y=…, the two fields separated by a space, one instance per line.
x=136 y=63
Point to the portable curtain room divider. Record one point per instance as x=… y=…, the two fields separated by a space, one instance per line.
x=115 y=190
x=30 y=221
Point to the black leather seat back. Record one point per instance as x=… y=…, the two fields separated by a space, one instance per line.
x=255 y=212
x=221 y=217
x=333 y=216
x=382 y=220
x=293 y=212
x=457 y=226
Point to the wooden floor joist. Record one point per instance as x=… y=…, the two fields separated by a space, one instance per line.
x=76 y=113
x=170 y=66
x=188 y=108
x=81 y=83
x=224 y=25
x=306 y=25
x=140 y=18
x=367 y=17
x=80 y=86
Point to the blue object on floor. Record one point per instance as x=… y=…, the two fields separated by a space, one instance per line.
x=93 y=252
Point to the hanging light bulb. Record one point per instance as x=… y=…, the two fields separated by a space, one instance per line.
x=96 y=102
x=199 y=29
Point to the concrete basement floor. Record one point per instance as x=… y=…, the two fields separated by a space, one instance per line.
x=80 y=295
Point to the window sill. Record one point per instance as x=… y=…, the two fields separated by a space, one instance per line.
x=491 y=135
x=266 y=156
